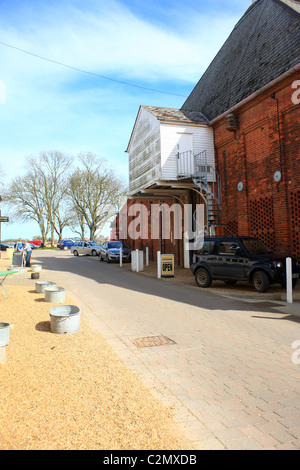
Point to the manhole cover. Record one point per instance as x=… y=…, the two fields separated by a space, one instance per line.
x=149 y=341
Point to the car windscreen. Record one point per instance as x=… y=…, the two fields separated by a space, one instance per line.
x=254 y=245
x=115 y=245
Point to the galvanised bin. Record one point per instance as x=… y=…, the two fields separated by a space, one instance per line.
x=4 y=334
x=55 y=294
x=65 y=319
x=40 y=286
x=35 y=268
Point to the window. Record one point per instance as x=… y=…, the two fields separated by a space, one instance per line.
x=254 y=245
x=228 y=248
x=207 y=248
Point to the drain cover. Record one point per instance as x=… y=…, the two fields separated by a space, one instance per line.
x=149 y=341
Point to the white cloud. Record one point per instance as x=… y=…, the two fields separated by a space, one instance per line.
x=48 y=106
x=110 y=40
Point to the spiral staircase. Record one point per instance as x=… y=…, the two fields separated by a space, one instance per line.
x=207 y=180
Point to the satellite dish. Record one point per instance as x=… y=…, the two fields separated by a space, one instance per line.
x=240 y=186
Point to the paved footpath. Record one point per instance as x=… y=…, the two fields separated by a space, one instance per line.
x=229 y=369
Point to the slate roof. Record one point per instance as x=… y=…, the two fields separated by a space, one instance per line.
x=264 y=44
x=171 y=115
x=176 y=115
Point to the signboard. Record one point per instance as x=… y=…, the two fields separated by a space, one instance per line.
x=167 y=265
x=4 y=219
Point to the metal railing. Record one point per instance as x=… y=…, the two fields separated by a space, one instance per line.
x=205 y=176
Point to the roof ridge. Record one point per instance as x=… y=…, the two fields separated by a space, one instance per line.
x=248 y=11
x=246 y=62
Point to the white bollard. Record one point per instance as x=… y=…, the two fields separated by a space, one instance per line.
x=121 y=253
x=289 y=287
x=137 y=261
x=147 y=256
x=158 y=265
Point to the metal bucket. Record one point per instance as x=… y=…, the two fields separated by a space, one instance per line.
x=55 y=294
x=65 y=319
x=41 y=285
x=4 y=334
x=35 y=275
x=35 y=268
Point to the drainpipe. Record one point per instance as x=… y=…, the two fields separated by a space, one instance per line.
x=273 y=96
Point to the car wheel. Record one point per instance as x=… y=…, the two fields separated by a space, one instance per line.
x=260 y=281
x=94 y=252
x=65 y=248
x=107 y=259
x=202 y=278
x=75 y=253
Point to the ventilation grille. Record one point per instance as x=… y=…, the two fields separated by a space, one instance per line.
x=231 y=228
x=262 y=220
x=295 y=223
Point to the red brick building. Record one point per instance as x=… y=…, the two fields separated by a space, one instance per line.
x=259 y=166
x=249 y=96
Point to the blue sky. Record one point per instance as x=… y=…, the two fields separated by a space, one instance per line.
x=163 y=45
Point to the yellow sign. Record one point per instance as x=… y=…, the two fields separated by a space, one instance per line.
x=9 y=252
x=167 y=265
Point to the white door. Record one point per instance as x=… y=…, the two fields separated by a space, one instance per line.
x=186 y=154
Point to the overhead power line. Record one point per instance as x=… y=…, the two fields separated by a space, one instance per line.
x=89 y=73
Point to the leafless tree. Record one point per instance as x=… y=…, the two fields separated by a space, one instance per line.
x=94 y=190
x=40 y=194
x=24 y=196
x=52 y=167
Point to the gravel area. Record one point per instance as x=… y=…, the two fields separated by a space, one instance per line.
x=67 y=392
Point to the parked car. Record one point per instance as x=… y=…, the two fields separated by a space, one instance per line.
x=36 y=243
x=65 y=243
x=110 y=251
x=235 y=259
x=85 y=247
x=4 y=246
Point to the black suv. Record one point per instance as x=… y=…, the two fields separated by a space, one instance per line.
x=235 y=259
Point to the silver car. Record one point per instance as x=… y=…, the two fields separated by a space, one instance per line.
x=85 y=248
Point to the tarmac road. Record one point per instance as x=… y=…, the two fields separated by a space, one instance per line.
x=227 y=368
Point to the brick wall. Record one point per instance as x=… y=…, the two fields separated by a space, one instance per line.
x=154 y=240
x=267 y=141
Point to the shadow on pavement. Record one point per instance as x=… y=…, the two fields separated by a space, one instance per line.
x=112 y=274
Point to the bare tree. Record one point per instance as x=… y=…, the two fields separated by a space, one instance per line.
x=78 y=224
x=25 y=199
x=40 y=195
x=94 y=190
x=52 y=168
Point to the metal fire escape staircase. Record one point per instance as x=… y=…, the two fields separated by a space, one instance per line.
x=207 y=180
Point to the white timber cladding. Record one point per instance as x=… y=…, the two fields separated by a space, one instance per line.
x=144 y=153
x=174 y=139
x=154 y=147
